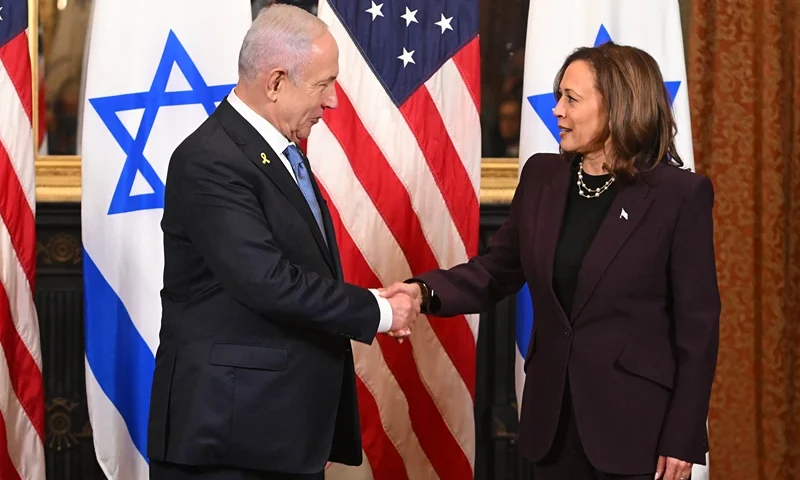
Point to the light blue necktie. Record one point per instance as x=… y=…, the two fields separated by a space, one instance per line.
x=304 y=182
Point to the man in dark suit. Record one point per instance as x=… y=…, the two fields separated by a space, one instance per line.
x=254 y=373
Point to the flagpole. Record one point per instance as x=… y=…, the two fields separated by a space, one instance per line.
x=33 y=44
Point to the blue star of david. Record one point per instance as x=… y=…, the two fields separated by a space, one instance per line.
x=151 y=101
x=543 y=104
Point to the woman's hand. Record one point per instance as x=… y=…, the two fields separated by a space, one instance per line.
x=675 y=469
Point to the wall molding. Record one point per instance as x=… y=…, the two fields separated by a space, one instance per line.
x=58 y=179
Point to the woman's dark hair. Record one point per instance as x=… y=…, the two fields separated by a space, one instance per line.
x=640 y=123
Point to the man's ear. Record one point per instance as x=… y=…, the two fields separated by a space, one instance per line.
x=275 y=81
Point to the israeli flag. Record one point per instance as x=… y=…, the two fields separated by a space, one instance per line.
x=155 y=70
x=555 y=29
x=524 y=327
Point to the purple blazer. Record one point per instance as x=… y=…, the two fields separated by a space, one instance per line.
x=641 y=345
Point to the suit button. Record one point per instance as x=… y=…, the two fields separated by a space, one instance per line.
x=567 y=332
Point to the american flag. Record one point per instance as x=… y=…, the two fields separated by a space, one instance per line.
x=21 y=389
x=399 y=165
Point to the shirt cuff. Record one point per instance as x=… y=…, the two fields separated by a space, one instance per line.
x=386 y=312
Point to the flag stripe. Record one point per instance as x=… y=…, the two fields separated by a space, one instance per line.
x=17 y=215
x=421 y=114
x=376 y=443
x=393 y=412
x=25 y=377
x=126 y=274
x=15 y=85
x=397 y=356
x=433 y=434
x=123 y=368
x=468 y=62
x=19 y=334
x=119 y=458
x=460 y=122
x=23 y=309
x=388 y=463
x=393 y=203
x=375 y=175
x=14 y=56
x=445 y=454
x=360 y=219
x=7 y=467
x=23 y=443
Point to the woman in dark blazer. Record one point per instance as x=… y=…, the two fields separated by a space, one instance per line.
x=615 y=241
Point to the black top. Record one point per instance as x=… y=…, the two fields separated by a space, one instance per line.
x=582 y=219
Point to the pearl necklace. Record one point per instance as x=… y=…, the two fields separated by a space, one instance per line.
x=591 y=192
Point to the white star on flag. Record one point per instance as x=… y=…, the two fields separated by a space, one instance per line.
x=410 y=16
x=444 y=23
x=375 y=10
x=407 y=57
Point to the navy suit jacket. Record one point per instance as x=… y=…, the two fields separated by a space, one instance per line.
x=641 y=345
x=254 y=369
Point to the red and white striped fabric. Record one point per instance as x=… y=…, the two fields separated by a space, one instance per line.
x=402 y=182
x=21 y=389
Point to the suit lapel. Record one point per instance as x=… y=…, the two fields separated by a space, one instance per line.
x=331 y=234
x=264 y=157
x=612 y=234
x=550 y=216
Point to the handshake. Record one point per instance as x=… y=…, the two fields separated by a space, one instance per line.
x=406 y=301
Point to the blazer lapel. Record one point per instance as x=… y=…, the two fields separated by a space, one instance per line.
x=625 y=213
x=550 y=216
x=261 y=154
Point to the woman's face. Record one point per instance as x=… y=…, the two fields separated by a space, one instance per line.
x=580 y=112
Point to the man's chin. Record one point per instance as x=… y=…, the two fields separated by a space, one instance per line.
x=304 y=133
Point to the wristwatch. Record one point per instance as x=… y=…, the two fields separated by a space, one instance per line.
x=427 y=294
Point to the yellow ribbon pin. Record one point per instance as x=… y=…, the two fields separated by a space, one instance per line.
x=264 y=158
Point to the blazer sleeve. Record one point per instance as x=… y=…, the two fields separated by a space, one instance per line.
x=696 y=308
x=224 y=220
x=486 y=279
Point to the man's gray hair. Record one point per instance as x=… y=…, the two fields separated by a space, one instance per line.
x=280 y=36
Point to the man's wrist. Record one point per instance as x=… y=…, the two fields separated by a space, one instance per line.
x=385 y=308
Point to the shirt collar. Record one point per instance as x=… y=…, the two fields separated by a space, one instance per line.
x=273 y=137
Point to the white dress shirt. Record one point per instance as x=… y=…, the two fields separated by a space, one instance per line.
x=278 y=143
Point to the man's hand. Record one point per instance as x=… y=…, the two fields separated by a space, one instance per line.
x=405 y=300
x=675 y=469
x=411 y=289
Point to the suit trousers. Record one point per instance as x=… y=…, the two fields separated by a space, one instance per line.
x=172 y=471
x=566 y=459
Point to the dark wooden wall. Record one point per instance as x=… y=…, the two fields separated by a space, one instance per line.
x=59 y=300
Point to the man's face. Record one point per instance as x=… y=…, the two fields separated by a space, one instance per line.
x=300 y=105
